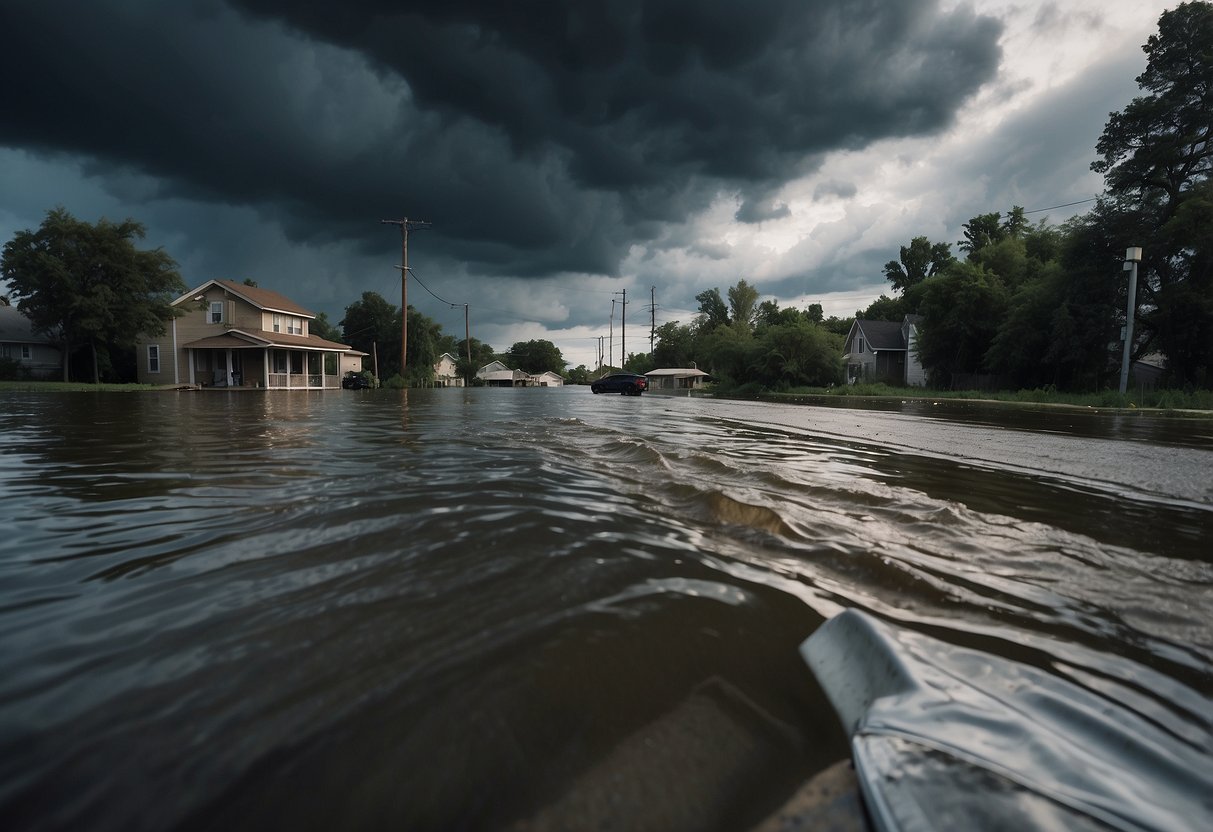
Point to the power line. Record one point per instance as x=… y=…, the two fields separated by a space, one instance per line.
x=413 y=272
x=1066 y=205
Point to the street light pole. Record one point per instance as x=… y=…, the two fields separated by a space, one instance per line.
x=1132 y=258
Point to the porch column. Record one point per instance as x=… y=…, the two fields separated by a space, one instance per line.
x=265 y=367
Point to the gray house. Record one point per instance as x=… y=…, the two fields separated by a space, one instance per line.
x=884 y=351
x=35 y=354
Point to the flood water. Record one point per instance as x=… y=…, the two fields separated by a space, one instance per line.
x=446 y=609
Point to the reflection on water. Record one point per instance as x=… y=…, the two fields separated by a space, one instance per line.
x=445 y=609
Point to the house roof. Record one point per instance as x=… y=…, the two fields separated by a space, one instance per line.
x=882 y=335
x=677 y=372
x=236 y=339
x=261 y=298
x=15 y=328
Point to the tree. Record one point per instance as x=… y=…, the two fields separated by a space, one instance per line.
x=321 y=327
x=535 y=356
x=1162 y=142
x=86 y=284
x=1157 y=155
x=675 y=346
x=797 y=355
x=712 y=310
x=372 y=325
x=482 y=354
x=639 y=362
x=919 y=260
x=981 y=231
x=743 y=305
x=884 y=308
x=579 y=375
x=963 y=308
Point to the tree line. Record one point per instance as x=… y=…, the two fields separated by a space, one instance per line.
x=1034 y=305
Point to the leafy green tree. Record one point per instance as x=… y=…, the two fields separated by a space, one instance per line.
x=535 y=356
x=712 y=309
x=88 y=285
x=1157 y=154
x=482 y=354
x=981 y=231
x=372 y=324
x=728 y=354
x=639 y=362
x=919 y=260
x=579 y=375
x=814 y=313
x=963 y=308
x=675 y=346
x=797 y=355
x=425 y=334
x=1016 y=224
x=769 y=314
x=884 y=308
x=321 y=327
x=743 y=305
x=837 y=325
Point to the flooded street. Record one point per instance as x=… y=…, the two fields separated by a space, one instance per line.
x=445 y=609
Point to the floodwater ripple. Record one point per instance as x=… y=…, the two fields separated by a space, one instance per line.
x=438 y=609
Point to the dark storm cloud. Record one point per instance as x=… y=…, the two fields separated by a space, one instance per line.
x=538 y=137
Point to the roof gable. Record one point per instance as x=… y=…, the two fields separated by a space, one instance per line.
x=16 y=328
x=263 y=299
x=882 y=335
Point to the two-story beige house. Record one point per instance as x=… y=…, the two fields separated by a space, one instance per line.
x=233 y=335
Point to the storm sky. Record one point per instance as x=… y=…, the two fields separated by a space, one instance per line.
x=563 y=151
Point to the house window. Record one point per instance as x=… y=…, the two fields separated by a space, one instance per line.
x=859 y=341
x=216 y=313
x=294 y=326
x=277 y=322
x=153 y=358
x=279 y=361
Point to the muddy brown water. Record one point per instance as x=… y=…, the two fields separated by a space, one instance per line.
x=444 y=609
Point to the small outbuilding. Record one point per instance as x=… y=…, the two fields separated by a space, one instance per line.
x=676 y=380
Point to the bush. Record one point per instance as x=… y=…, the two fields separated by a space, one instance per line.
x=396 y=382
x=12 y=370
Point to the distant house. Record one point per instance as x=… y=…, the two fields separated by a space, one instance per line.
x=35 y=354
x=884 y=351
x=446 y=371
x=546 y=379
x=233 y=335
x=675 y=380
x=496 y=374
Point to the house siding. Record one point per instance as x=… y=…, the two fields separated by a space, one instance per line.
x=316 y=365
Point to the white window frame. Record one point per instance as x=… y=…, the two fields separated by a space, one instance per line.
x=277 y=322
x=215 y=315
x=294 y=326
x=26 y=352
x=153 y=359
x=859 y=340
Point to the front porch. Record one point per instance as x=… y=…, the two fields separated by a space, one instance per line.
x=237 y=364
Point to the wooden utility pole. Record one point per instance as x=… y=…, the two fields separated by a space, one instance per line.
x=406 y=225
x=611 y=342
x=653 y=319
x=623 y=325
x=467 y=336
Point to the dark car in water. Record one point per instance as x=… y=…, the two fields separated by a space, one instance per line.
x=627 y=384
